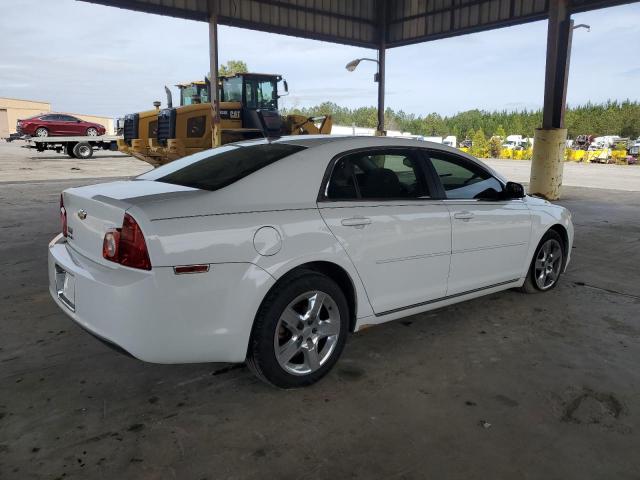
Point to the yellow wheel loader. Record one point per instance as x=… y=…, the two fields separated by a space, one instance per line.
x=138 y=129
x=248 y=109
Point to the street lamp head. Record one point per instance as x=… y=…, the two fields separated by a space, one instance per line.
x=351 y=66
x=583 y=25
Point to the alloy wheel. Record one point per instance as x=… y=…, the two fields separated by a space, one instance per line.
x=548 y=264
x=307 y=333
x=92 y=132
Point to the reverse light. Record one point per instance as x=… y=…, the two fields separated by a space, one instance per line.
x=63 y=217
x=110 y=245
x=127 y=245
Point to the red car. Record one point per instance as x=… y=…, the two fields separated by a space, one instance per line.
x=50 y=124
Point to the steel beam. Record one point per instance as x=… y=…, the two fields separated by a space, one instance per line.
x=216 y=133
x=382 y=51
x=549 y=141
x=557 y=65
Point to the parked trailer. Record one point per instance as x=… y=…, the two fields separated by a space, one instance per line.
x=75 y=147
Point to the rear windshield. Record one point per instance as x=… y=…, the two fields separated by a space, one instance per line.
x=212 y=170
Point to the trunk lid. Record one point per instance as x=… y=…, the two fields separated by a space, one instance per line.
x=94 y=209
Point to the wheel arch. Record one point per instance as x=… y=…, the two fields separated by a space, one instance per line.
x=564 y=235
x=336 y=273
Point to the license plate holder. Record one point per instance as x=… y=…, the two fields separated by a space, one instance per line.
x=66 y=288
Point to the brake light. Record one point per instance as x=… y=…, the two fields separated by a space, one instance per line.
x=127 y=245
x=63 y=217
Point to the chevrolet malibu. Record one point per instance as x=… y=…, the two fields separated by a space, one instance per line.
x=272 y=252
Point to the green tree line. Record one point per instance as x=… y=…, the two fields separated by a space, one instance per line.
x=609 y=118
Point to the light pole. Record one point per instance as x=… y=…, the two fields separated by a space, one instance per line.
x=351 y=66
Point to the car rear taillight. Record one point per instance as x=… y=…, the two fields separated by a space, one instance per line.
x=127 y=245
x=63 y=217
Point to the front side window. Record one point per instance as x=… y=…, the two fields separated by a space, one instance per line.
x=260 y=94
x=372 y=175
x=187 y=94
x=203 y=91
x=266 y=94
x=222 y=166
x=249 y=95
x=462 y=179
x=232 y=89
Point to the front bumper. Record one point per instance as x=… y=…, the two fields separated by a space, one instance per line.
x=158 y=316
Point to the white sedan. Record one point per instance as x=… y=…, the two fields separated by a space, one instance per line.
x=274 y=251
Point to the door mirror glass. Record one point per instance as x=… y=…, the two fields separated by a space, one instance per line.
x=513 y=190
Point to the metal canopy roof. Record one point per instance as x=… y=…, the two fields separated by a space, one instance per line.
x=365 y=23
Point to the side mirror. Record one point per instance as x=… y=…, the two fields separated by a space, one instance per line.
x=78 y=121
x=286 y=86
x=513 y=190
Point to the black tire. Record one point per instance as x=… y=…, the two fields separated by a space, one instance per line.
x=83 y=150
x=530 y=285
x=261 y=355
x=69 y=151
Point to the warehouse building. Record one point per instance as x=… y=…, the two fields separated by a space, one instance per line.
x=14 y=109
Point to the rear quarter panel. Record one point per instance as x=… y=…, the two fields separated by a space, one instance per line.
x=229 y=238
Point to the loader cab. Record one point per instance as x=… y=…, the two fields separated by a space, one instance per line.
x=194 y=93
x=258 y=96
x=248 y=109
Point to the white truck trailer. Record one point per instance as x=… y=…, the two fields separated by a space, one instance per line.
x=75 y=147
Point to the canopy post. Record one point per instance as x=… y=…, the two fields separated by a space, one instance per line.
x=550 y=140
x=216 y=133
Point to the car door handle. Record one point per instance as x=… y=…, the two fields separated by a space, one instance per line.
x=464 y=215
x=358 y=222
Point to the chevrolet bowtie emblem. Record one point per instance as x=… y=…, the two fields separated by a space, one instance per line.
x=82 y=214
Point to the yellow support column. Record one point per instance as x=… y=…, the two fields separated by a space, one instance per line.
x=547 y=163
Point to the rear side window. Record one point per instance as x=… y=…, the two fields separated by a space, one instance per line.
x=223 y=166
x=377 y=174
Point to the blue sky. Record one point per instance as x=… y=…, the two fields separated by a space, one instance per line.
x=88 y=58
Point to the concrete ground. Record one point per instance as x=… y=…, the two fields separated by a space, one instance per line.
x=591 y=175
x=506 y=386
x=19 y=164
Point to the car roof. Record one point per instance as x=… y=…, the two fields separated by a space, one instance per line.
x=347 y=142
x=311 y=141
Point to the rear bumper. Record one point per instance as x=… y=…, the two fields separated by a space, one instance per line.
x=161 y=317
